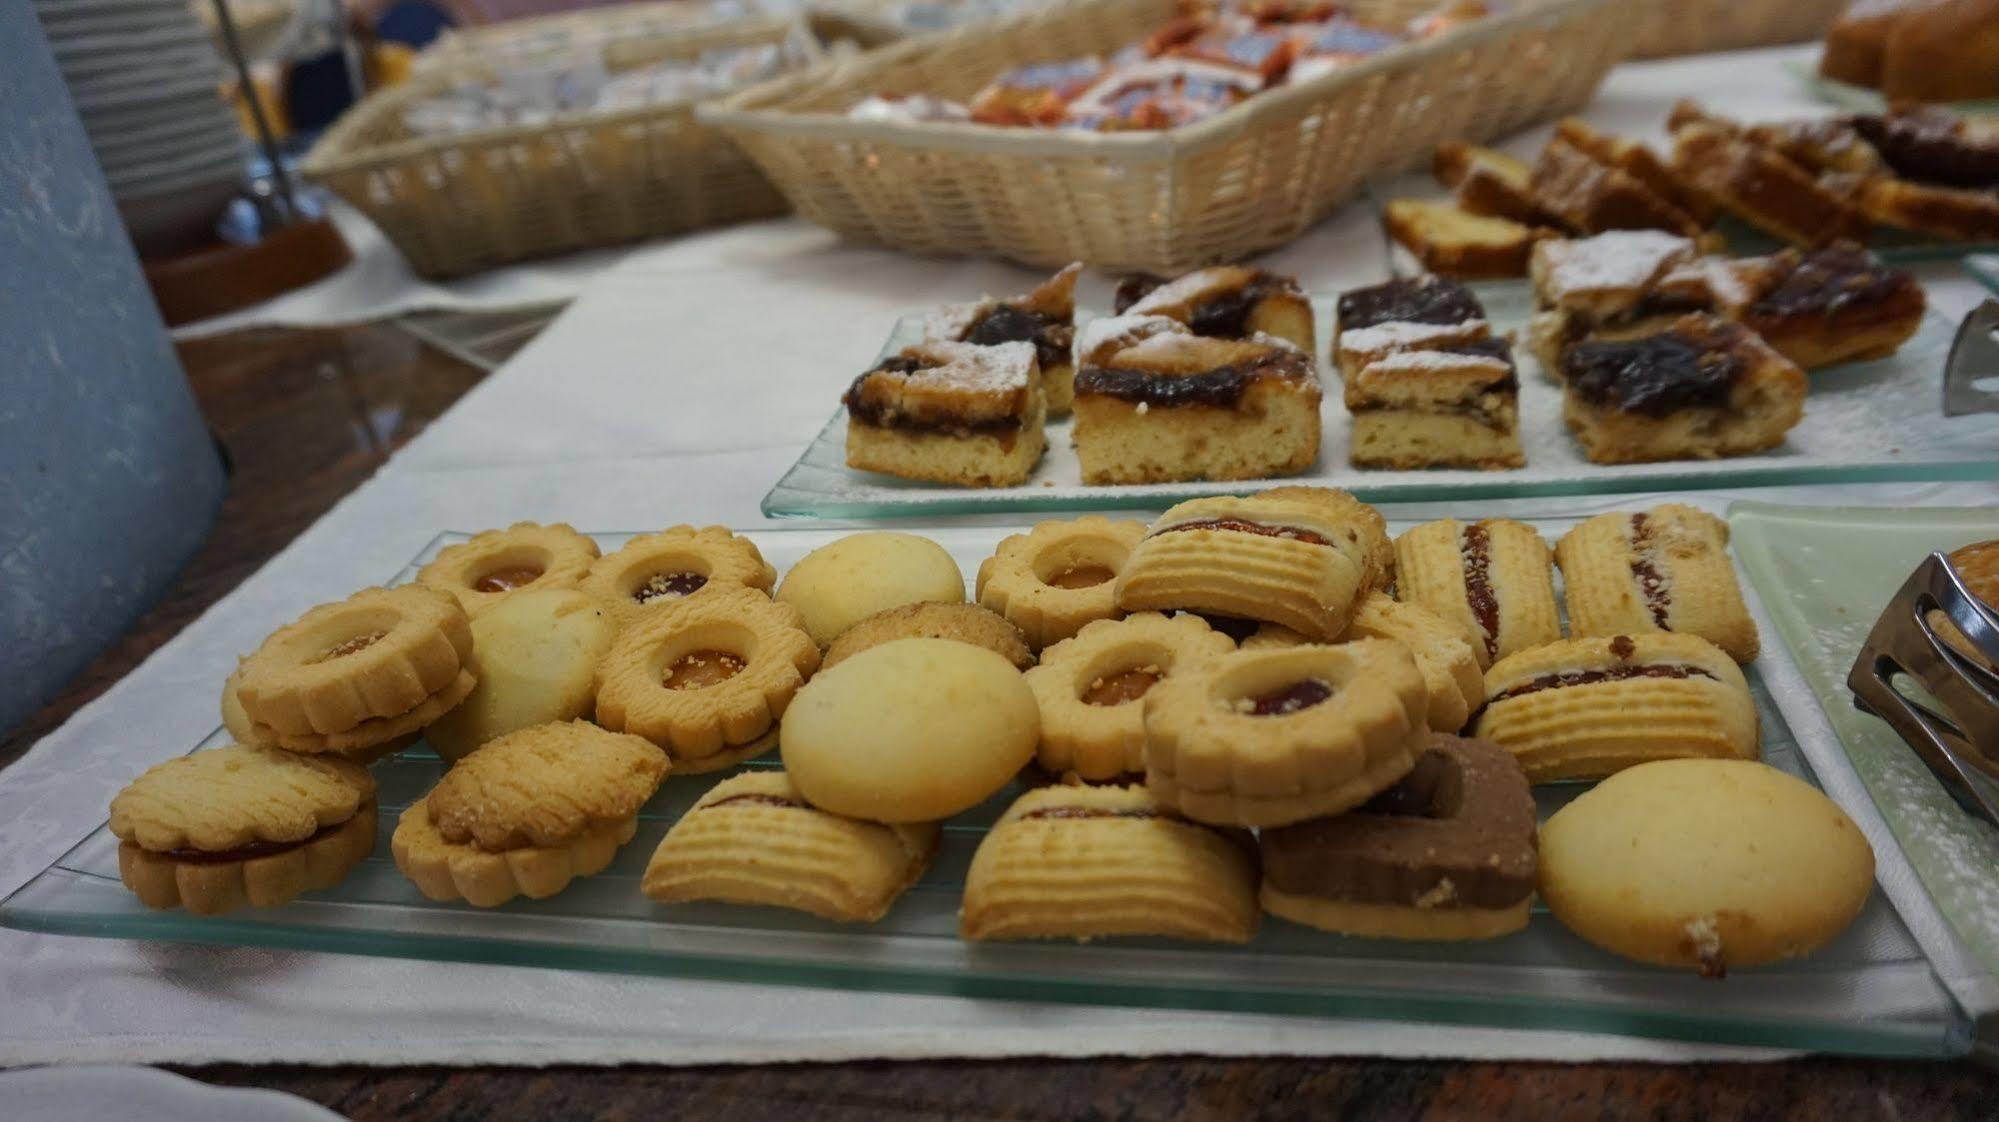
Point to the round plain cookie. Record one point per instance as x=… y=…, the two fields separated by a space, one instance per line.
x=538 y=654
x=910 y=731
x=1708 y=864
x=963 y=623
x=838 y=585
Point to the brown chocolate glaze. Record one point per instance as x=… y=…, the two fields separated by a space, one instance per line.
x=1930 y=145
x=1607 y=674
x=1456 y=832
x=1653 y=376
x=252 y=850
x=1828 y=281
x=875 y=414
x=1645 y=570
x=1065 y=812
x=1220 y=388
x=1475 y=547
x=1224 y=315
x=1010 y=323
x=1243 y=526
x=754 y=797
x=1294 y=698
x=1408 y=300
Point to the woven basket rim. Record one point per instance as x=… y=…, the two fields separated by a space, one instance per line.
x=338 y=151
x=752 y=110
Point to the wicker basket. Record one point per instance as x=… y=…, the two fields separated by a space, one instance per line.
x=459 y=204
x=529 y=38
x=1687 y=27
x=1238 y=183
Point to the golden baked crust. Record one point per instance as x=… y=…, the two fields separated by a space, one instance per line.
x=753 y=839
x=759 y=649
x=1762 y=187
x=378 y=736
x=1592 y=197
x=845 y=581
x=1450 y=670
x=229 y=797
x=538 y=656
x=498 y=563
x=1665 y=569
x=1056 y=578
x=379 y=653
x=1266 y=738
x=210 y=887
x=1044 y=317
x=1493 y=579
x=544 y=785
x=442 y=870
x=963 y=623
x=1640 y=163
x=1259 y=302
x=1456 y=242
x=1089 y=688
x=1093 y=862
x=1490 y=183
x=653 y=571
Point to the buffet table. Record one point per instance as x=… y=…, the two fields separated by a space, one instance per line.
x=676 y=389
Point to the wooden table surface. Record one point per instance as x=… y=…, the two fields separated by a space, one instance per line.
x=306 y=416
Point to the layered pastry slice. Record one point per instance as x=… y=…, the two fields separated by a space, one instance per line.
x=1045 y=317
x=949 y=413
x=1227 y=301
x=1702 y=389
x=1176 y=406
x=1833 y=305
x=1493 y=579
x=1426 y=394
x=1490 y=183
x=1762 y=187
x=1664 y=569
x=1592 y=197
x=1454 y=242
x=1601 y=286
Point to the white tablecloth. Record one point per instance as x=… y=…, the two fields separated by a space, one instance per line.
x=678 y=388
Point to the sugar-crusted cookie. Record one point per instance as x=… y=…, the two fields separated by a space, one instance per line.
x=911 y=731
x=838 y=585
x=499 y=563
x=654 y=571
x=1711 y=865
x=1059 y=576
x=1089 y=689
x=1266 y=738
x=963 y=623
x=538 y=655
x=527 y=814
x=1092 y=862
x=1494 y=579
x=241 y=826
x=1584 y=708
x=1447 y=853
x=1664 y=569
x=706 y=678
x=753 y=839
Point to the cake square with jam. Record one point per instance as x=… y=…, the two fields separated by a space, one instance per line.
x=1702 y=389
x=1177 y=406
x=1045 y=317
x=1403 y=314
x=1604 y=286
x=1833 y=305
x=1426 y=381
x=1225 y=302
x=949 y=413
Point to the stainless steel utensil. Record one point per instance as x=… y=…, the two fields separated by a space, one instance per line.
x=1971 y=374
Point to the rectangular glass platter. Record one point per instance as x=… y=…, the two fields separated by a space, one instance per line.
x=1870 y=992
x=1868 y=421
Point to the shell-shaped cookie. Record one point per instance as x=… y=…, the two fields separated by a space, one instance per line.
x=655 y=571
x=544 y=785
x=1089 y=689
x=1093 y=862
x=265 y=880
x=1270 y=737
x=1585 y=708
x=379 y=653
x=1493 y=579
x=498 y=563
x=444 y=870
x=1450 y=670
x=707 y=676
x=753 y=839
x=1059 y=576
x=1666 y=569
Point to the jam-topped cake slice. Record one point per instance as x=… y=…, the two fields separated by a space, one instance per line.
x=1931 y=144
x=1175 y=406
x=1603 y=285
x=1702 y=389
x=1227 y=301
x=1833 y=305
x=1403 y=314
x=949 y=413
x=1426 y=381
x=1761 y=186
x=1045 y=317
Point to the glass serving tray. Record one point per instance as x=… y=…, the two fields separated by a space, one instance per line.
x=1863 y=422
x=1872 y=991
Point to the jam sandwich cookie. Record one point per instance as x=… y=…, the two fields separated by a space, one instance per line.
x=527 y=814
x=1090 y=689
x=753 y=839
x=538 y=655
x=838 y=585
x=963 y=623
x=353 y=675
x=1664 y=569
x=1586 y=708
x=1095 y=862
x=1267 y=738
x=707 y=678
x=1450 y=672
x=954 y=413
x=241 y=826
x=1056 y=578
x=1044 y=317
x=498 y=563
x=653 y=571
x=1708 y=865
x=1493 y=579
x=911 y=731
x=1226 y=302
x=1447 y=853
x=1302 y=557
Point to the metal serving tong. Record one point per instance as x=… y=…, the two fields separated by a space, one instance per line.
x=1971 y=374
x=1955 y=727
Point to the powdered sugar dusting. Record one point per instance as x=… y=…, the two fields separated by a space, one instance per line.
x=1390 y=336
x=1112 y=334
x=1437 y=362
x=969 y=366
x=1186 y=289
x=1621 y=259
x=950 y=322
